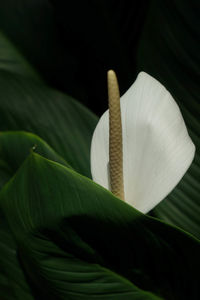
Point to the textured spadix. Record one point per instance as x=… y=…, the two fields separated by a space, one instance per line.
x=157 y=149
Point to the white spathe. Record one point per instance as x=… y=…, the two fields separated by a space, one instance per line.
x=157 y=150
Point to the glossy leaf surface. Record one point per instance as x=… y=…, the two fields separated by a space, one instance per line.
x=66 y=228
x=15 y=146
x=58 y=119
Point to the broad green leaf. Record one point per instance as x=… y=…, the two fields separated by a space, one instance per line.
x=11 y=60
x=5 y=172
x=13 y=283
x=58 y=119
x=66 y=125
x=77 y=241
x=168 y=51
x=15 y=146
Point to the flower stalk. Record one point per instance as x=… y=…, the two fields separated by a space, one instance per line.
x=115 y=137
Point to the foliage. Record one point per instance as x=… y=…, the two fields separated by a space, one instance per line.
x=61 y=235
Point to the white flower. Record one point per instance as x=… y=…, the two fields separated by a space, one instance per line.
x=157 y=150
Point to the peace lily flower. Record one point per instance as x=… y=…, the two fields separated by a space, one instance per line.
x=148 y=149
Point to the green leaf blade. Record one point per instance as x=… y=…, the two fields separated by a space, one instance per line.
x=58 y=119
x=63 y=222
x=15 y=146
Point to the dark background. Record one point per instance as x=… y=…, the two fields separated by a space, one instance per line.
x=73 y=43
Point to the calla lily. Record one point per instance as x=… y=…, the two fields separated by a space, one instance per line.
x=157 y=150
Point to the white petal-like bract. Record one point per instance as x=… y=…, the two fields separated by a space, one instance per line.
x=157 y=149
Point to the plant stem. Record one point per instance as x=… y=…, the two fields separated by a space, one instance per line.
x=115 y=137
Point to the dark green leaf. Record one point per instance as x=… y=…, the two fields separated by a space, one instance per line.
x=11 y=60
x=77 y=241
x=169 y=51
x=15 y=146
x=13 y=284
x=5 y=172
x=25 y=104
x=58 y=119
